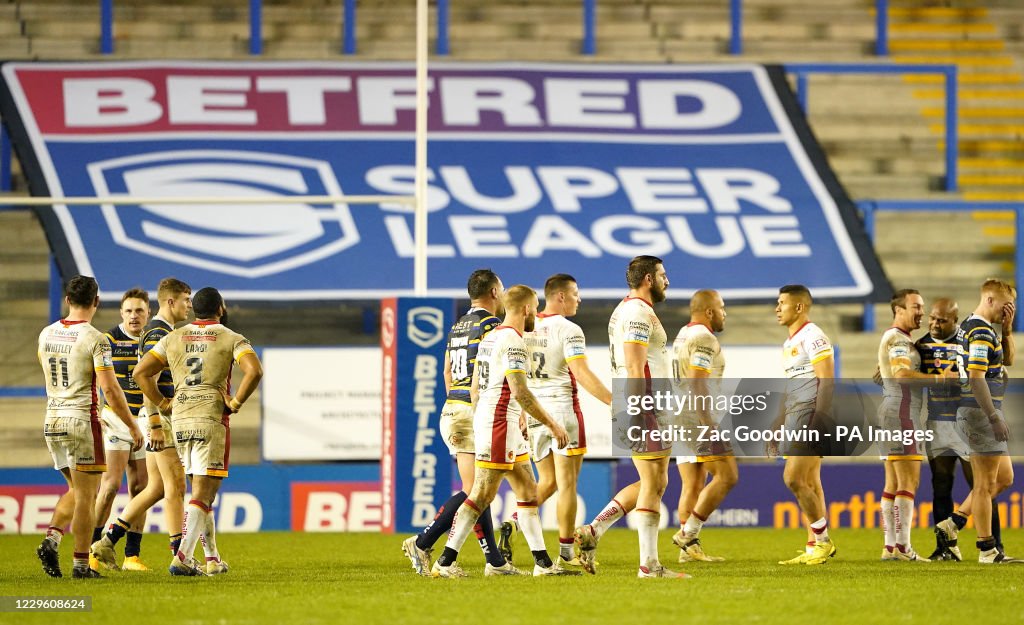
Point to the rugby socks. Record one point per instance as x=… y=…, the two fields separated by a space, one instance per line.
x=81 y=561
x=809 y=546
x=647 y=529
x=97 y=533
x=195 y=518
x=903 y=512
x=465 y=519
x=959 y=519
x=54 y=535
x=612 y=512
x=484 y=529
x=529 y=525
x=132 y=544
x=117 y=530
x=565 y=548
x=997 y=532
x=209 y=538
x=694 y=524
x=986 y=543
x=442 y=523
x=175 y=543
x=888 y=519
x=820 y=529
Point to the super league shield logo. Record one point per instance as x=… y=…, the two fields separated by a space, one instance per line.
x=426 y=326
x=248 y=240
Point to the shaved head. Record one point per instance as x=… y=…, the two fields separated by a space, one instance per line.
x=946 y=305
x=702 y=300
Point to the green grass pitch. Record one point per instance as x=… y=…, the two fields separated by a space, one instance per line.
x=349 y=579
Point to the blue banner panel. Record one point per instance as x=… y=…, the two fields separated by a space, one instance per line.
x=416 y=473
x=531 y=169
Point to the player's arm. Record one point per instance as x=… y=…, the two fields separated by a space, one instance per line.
x=521 y=392
x=977 y=367
x=1009 y=348
x=252 y=373
x=588 y=379
x=114 y=395
x=698 y=379
x=635 y=356
x=825 y=371
x=145 y=375
x=474 y=388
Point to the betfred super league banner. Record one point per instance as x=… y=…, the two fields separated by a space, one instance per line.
x=533 y=169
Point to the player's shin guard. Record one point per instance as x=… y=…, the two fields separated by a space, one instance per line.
x=442 y=523
x=465 y=519
x=484 y=529
x=209 y=538
x=195 y=519
x=529 y=525
x=647 y=529
x=904 y=513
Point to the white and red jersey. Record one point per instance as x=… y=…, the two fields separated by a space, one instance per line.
x=71 y=352
x=502 y=352
x=634 y=321
x=801 y=351
x=696 y=348
x=897 y=352
x=554 y=343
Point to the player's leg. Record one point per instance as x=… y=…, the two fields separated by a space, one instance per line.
x=986 y=470
x=587 y=536
x=48 y=550
x=134 y=514
x=84 y=484
x=138 y=481
x=567 y=473
x=213 y=456
x=693 y=476
x=889 y=510
x=110 y=483
x=653 y=480
x=1004 y=479
x=724 y=475
x=802 y=477
x=908 y=477
x=943 y=470
x=485 y=488
x=204 y=491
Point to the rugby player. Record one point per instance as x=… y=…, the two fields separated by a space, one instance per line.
x=900 y=366
x=639 y=355
x=502 y=399
x=166 y=475
x=76 y=358
x=456 y=424
x=124 y=343
x=559 y=362
x=698 y=365
x=979 y=415
x=200 y=356
x=810 y=366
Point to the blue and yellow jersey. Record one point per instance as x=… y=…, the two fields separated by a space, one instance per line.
x=155 y=330
x=980 y=350
x=936 y=356
x=463 y=343
x=125 y=352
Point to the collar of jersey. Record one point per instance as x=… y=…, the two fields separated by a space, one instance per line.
x=806 y=323
x=900 y=329
x=72 y=323
x=628 y=297
x=510 y=328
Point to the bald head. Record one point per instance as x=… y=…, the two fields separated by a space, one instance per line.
x=707 y=307
x=942 y=319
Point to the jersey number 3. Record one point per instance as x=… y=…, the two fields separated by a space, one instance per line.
x=195 y=370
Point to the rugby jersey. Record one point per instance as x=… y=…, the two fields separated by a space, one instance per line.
x=936 y=356
x=70 y=353
x=981 y=350
x=155 y=330
x=634 y=321
x=125 y=351
x=463 y=342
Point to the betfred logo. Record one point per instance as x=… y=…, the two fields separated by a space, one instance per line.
x=27 y=509
x=248 y=240
x=336 y=507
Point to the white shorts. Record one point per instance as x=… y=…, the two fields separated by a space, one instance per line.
x=980 y=438
x=499 y=444
x=947 y=440
x=893 y=415
x=542 y=443
x=456 y=427
x=75 y=443
x=203 y=445
x=117 y=436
